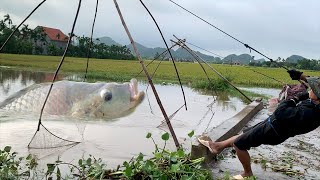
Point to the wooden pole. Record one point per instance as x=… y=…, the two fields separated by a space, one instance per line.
x=148 y=76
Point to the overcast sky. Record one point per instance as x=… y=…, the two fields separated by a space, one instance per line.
x=277 y=28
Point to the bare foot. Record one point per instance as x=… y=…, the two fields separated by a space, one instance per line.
x=247 y=174
x=242 y=176
x=215 y=147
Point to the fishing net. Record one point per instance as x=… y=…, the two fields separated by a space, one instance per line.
x=45 y=139
x=44 y=143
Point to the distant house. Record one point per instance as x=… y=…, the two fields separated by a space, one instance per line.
x=236 y=63
x=52 y=37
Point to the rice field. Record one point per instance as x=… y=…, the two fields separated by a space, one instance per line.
x=122 y=70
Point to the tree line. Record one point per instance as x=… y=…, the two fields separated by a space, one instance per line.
x=310 y=64
x=33 y=41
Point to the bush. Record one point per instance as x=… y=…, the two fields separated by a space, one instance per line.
x=12 y=167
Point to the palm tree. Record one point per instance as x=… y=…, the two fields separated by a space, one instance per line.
x=2 y=25
x=7 y=18
x=25 y=31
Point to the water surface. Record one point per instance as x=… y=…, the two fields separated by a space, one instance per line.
x=118 y=139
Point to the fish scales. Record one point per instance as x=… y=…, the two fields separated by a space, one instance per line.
x=109 y=100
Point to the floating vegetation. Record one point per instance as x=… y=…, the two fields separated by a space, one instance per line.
x=283 y=164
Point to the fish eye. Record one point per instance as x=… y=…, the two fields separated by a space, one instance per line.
x=108 y=96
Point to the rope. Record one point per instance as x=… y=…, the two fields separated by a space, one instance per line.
x=174 y=64
x=204 y=70
x=148 y=85
x=268 y=76
x=205 y=50
x=164 y=53
x=148 y=76
x=89 y=46
x=214 y=70
x=60 y=64
x=246 y=45
x=171 y=116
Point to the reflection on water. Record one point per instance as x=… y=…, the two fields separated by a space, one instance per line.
x=271 y=92
x=120 y=139
x=12 y=80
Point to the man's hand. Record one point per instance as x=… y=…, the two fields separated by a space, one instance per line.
x=294 y=74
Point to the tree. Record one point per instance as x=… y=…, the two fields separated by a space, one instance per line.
x=156 y=56
x=7 y=18
x=58 y=35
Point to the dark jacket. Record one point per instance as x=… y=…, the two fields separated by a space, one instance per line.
x=291 y=118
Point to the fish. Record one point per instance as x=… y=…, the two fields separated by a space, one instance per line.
x=78 y=99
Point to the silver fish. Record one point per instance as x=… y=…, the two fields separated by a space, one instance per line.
x=79 y=99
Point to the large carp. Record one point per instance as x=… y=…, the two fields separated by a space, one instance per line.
x=80 y=99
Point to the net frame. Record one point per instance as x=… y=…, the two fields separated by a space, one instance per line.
x=67 y=142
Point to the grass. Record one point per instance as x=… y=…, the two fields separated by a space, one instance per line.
x=124 y=70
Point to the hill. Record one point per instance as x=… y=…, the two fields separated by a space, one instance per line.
x=182 y=55
x=294 y=58
x=241 y=59
x=106 y=40
x=146 y=52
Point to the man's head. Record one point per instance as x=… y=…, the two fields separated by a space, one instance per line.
x=314 y=83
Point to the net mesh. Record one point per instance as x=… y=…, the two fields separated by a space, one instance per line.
x=45 y=139
x=44 y=153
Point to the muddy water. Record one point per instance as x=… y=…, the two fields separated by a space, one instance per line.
x=112 y=140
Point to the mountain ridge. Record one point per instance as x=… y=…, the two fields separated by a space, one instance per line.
x=181 y=54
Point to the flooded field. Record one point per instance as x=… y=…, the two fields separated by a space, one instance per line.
x=118 y=139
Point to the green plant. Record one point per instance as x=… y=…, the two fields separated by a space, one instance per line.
x=12 y=167
x=218 y=84
x=163 y=165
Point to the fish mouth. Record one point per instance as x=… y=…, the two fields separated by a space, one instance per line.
x=135 y=95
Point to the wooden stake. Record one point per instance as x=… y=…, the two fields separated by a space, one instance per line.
x=148 y=76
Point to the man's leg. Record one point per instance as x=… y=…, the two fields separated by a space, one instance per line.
x=243 y=155
x=244 y=158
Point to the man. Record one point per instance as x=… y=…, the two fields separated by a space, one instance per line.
x=298 y=115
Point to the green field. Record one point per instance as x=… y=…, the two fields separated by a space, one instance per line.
x=123 y=70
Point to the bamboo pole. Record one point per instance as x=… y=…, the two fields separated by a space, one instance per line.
x=183 y=45
x=163 y=53
x=148 y=76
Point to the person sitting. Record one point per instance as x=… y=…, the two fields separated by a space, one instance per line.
x=292 y=117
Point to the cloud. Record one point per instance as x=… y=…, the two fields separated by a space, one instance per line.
x=276 y=28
